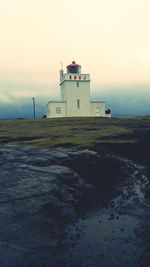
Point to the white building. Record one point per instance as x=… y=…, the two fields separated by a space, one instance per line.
x=75 y=96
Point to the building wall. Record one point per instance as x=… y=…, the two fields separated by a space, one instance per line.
x=75 y=98
x=77 y=95
x=97 y=108
x=59 y=109
x=56 y=109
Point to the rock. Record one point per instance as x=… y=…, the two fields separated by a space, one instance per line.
x=44 y=190
x=147 y=192
x=39 y=196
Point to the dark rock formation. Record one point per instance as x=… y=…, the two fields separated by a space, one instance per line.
x=44 y=191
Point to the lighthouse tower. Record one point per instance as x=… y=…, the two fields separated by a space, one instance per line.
x=75 y=96
x=75 y=91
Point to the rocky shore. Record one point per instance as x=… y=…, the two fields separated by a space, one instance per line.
x=72 y=207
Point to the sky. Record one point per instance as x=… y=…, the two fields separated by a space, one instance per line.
x=110 y=39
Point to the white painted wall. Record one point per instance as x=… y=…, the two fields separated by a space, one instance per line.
x=97 y=108
x=74 y=91
x=53 y=107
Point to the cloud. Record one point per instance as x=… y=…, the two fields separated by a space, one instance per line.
x=4 y=98
x=17 y=90
x=126 y=100
x=16 y=87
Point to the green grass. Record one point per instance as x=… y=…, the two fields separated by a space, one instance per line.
x=73 y=131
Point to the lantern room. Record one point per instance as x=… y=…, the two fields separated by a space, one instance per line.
x=74 y=68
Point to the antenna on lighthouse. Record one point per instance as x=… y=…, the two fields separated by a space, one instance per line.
x=61 y=64
x=61 y=71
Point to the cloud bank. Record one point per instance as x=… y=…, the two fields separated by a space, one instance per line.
x=126 y=100
x=16 y=98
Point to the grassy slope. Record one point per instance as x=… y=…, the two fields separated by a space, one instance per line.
x=72 y=131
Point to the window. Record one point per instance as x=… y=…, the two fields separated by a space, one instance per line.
x=70 y=77
x=77 y=84
x=75 y=77
x=58 y=110
x=78 y=103
x=79 y=77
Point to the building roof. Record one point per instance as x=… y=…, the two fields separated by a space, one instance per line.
x=56 y=101
x=73 y=64
x=97 y=101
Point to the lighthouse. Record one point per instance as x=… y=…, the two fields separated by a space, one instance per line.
x=75 y=96
x=75 y=91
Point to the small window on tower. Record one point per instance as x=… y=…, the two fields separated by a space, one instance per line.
x=78 y=103
x=58 y=110
x=75 y=77
x=70 y=77
x=77 y=84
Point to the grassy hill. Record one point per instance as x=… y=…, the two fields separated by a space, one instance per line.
x=74 y=131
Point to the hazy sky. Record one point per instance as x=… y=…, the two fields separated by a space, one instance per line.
x=109 y=38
